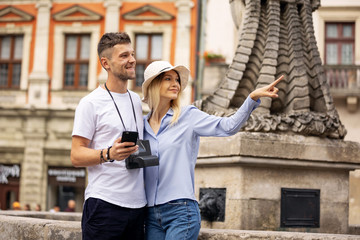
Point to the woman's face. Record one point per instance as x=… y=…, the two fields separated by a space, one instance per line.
x=169 y=86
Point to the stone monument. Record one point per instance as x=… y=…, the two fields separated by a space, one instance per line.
x=288 y=168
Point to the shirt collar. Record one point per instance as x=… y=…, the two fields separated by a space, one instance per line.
x=165 y=121
x=170 y=112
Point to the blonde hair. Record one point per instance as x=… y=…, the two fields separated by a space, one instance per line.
x=154 y=99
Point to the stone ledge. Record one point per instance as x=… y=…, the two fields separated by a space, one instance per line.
x=60 y=216
x=20 y=225
x=222 y=234
x=271 y=162
x=281 y=146
x=29 y=228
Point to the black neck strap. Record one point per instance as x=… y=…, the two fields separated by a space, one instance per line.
x=117 y=109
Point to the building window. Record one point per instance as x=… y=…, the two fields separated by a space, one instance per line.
x=11 y=47
x=76 y=61
x=148 y=48
x=339 y=43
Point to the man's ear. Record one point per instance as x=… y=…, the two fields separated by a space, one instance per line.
x=104 y=63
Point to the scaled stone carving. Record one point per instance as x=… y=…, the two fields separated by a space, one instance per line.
x=277 y=38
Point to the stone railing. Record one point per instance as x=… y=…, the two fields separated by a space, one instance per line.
x=20 y=225
x=343 y=79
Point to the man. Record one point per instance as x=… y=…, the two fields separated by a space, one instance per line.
x=55 y=209
x=38 y=207
x=71 y=206
x=115 y=196
x=27 y=207
x=16 y=205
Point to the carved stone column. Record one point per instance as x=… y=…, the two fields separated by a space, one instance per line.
x=32 y=167
x=39 y=78
x=112 y=22
x=182 y=48
x=112 y=18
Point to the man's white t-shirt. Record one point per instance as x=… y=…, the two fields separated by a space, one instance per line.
x=96 y=119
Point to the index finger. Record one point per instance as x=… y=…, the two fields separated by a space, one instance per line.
x=277 y=81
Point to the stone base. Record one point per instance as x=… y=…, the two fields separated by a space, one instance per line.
x=253 y=167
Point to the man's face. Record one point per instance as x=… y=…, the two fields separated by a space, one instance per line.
x=122 y=62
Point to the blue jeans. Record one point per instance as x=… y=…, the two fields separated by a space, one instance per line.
x=174 y=220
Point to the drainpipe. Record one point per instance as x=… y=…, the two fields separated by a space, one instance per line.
x=201 y=22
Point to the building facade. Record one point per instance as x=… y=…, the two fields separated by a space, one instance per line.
x=48 y=62
x=337 y=31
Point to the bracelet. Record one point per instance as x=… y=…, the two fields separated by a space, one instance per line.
x=101 y=157
x=108 y=155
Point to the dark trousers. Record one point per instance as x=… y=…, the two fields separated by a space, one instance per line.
x=105 y=221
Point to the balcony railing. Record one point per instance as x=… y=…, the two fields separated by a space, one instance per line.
x=344 y=80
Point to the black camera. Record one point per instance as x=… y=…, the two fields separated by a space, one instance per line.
x=142 y=158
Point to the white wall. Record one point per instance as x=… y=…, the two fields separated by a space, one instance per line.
x=220 y=29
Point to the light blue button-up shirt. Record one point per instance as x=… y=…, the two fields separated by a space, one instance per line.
x=177 y=148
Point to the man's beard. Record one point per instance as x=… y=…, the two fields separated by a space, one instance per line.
x=125 y=77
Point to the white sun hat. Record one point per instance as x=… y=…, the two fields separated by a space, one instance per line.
x=156 y=68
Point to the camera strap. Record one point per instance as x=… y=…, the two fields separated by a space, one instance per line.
x=117 y=109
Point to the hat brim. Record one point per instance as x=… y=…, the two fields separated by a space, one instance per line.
x=181 y=70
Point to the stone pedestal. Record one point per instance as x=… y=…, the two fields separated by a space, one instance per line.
x=254 y=167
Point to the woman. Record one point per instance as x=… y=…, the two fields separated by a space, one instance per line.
x=174 y=136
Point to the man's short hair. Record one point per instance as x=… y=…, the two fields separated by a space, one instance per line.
x=109 y=40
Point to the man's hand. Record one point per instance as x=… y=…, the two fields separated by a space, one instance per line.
x=120 y=151
x=267 y=91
